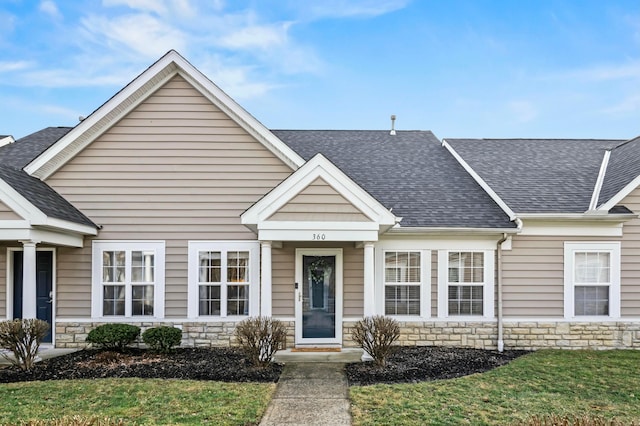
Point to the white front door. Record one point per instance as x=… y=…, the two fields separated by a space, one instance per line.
x=318 y=297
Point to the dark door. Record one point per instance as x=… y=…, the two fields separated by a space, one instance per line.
x=318 y=293
x=44 y=287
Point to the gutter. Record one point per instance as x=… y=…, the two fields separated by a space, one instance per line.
x=444 y=230
x=499 y=283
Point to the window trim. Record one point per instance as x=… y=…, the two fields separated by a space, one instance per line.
x=194 y=247
x=97 y=247
x=425 y=280
x=570 y=249
x=488 y=284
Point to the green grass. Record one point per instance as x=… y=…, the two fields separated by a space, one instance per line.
x=137 y=401
x=575 y=383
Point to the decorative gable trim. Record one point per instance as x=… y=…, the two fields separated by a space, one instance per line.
x=483 y=184
x=138 y=91
x=598 y=186
x=617 y=199
x=256 y=217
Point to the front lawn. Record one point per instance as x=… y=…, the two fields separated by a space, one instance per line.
x=137 y=401
x=577 y=383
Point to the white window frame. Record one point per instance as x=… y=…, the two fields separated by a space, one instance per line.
x=570 y=249
x=425 y=278
x=488 y=285
x=253 y=247
x=99 y=246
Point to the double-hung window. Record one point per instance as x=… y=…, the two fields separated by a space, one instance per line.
x=592 y=279
x=465 y=283
x=128 y=279
x=223 y=278
x=402 y=282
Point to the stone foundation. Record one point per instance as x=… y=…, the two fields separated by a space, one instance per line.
x=529 y=335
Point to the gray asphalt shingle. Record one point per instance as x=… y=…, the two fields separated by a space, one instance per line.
x=623 y=167
x=409 y=172
x=538 y=175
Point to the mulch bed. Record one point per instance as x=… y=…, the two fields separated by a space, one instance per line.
x=425 y=363
x=221 y=364
x=406 y=365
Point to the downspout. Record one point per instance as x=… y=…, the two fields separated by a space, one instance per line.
x=499 y=283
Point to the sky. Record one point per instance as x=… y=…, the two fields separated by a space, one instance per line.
x=460 y=68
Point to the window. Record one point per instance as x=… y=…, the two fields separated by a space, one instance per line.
x=128 y=279
x=465 y=283
x=402 y=279
x=223 y=278
x=592 y=279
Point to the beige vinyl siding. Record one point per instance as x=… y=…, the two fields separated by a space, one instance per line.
x=319 y=202
x=533 y=275
x=630 y=254
x=283 y=278
x=7 y=214
x=174 y=169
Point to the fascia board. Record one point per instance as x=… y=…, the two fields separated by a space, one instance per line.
x=613 y=201
x=444 y=230
x=483 y=184
x=19 y=204
x=70 y=226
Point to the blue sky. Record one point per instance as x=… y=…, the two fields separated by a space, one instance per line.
x=475 y=68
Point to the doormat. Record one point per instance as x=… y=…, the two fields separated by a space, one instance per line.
x=316 y=350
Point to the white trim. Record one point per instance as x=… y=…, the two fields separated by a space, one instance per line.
x=488 y=286
x=318 y=167
x=617 y=198
x=266 y=278
x=97 y=247
x=10 y=286
x=425 y=276
x=339 y=295
x=253 y=247
x=494 y=196
x=6 y=140
x=613 y=248
x=19 y=204
x=598 y=186
x=369 y=283
x=565 y=228
x=143 y=86
x=322 y=234
x=457 y=244
x=418 y=231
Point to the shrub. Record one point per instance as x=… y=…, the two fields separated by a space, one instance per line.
x=22 y=337
x=376 y=336
x=555 y=420
x=260 y=338
x=162 y=339
x=113 y=336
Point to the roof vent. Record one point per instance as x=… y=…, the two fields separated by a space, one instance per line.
x=393 y=125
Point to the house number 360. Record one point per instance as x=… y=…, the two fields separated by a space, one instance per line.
x=319 y=237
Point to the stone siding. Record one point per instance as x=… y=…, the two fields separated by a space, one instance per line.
x=529 y=335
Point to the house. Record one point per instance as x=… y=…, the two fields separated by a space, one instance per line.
x=170 y=204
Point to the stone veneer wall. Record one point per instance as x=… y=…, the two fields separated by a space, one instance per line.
x=480 y=335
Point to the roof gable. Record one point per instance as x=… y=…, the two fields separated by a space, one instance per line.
x=622 y=174
x=137 y=91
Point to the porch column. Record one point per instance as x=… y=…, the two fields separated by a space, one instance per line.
x=29 y=306
x=265 y=284
x=369 y=281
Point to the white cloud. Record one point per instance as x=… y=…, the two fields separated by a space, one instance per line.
x=353 y=8
x=50 y=8
x=256 y=36
x=630 y=104
x=522 y=111
x=14 y=66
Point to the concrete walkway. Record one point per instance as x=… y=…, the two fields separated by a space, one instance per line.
x=310 y=393
x=43 y=353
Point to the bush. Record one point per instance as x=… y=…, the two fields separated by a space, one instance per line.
x=376 y=335
x=260 y=338
x=555 y=420
x=162 y=339
x=114 y=336
x=22 y=337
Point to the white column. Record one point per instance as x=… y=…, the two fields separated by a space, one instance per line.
x=265 y=284
x=369 y=281
x=29 y=306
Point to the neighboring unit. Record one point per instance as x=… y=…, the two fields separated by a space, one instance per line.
x=171 y=204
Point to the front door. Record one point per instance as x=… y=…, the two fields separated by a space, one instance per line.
x=44 y=287
x=318 y=297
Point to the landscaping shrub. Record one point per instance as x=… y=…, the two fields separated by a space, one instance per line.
x=555 y=420
x=75 y=421
x=114 y=336
x=376 y=336
x=22 y=337
x=162 y=339
x=260 y=338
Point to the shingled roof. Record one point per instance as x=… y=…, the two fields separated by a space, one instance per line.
x=15 y=156
x=409 y=172
x=623 y=167
x=538 y=175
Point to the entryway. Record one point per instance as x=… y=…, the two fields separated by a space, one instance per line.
x=44 y=286
x=318 y=297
